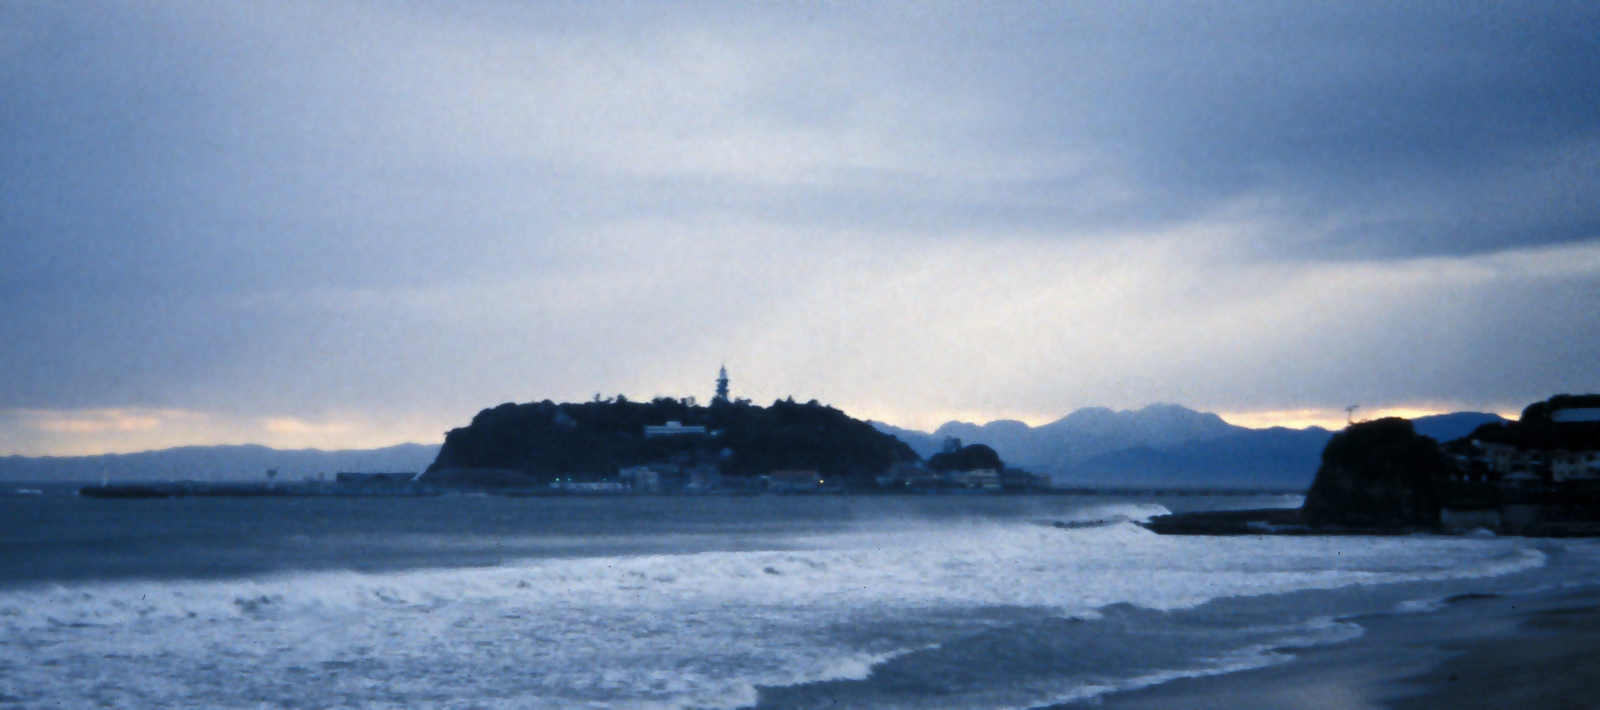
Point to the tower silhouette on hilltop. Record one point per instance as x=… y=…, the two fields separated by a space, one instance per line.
x=722 y=384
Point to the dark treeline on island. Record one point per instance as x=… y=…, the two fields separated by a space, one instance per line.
x=727 y=444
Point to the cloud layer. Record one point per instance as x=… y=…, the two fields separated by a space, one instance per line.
x=386 y=212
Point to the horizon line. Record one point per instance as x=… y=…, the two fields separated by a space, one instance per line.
x=105 y=432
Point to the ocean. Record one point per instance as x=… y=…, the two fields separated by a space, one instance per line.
x=959 y=602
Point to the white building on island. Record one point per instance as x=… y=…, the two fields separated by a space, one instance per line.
x=672 y=429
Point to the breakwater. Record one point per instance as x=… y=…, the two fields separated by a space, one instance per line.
x=182 y=489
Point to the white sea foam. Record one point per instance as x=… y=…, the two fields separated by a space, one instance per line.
x=693 y=630
x=1316 y=632
x=1116 y=512
x=1419 y=606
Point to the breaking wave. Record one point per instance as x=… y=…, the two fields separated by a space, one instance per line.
x=690 y=630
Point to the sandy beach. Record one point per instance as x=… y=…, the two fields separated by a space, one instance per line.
x=1531 y=651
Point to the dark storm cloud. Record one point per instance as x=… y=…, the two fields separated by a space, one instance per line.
x=1372 y=130
x=1368 y=132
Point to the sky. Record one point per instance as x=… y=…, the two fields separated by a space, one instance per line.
x=355 y=224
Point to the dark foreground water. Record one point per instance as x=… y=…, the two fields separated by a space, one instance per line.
x=937 y=602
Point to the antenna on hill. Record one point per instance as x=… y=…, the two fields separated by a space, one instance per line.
x=1350 y=414
x=722 y=384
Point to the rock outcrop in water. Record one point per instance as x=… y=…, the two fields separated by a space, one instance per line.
x=1377 y=477
x=1379 y=473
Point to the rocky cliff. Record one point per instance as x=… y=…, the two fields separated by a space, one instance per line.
x=1379 y=473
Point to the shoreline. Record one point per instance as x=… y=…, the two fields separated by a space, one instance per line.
x=291 y=489
x=1291 y=521
x=1263 y=521
x=1533 y=650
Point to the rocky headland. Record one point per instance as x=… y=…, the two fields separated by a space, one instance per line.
x=1538 y=476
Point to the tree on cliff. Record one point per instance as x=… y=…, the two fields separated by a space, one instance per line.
x=1378 y=473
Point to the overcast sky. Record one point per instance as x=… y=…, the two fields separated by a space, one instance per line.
x=355 y=224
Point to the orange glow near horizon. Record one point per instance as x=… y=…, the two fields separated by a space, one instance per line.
x=127 y=430
x=92 y=432
x=1332 y=419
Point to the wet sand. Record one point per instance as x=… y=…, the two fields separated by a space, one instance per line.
x=1534 y=651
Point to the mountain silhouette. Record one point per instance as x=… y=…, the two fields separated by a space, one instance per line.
x=248 y=462
x=1163 y=445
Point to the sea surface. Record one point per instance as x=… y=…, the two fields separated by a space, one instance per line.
x=960 y=602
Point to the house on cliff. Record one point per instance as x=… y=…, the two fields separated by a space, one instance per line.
x=1574 y=465
x=673 y=429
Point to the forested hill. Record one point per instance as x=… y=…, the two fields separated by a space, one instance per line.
x=595 y=439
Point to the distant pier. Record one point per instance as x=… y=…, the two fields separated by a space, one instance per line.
x=196 y=489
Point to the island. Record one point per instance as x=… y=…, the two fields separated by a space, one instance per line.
x=676 y=446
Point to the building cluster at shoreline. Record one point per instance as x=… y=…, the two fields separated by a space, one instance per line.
x=1537 y=475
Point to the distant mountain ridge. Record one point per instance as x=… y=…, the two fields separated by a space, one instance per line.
x=1078 y=436
x=1091 y=431
x=247 y=462
x=1276 y=458
x=1163 y=445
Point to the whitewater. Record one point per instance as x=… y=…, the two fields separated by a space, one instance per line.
x=712 y=608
